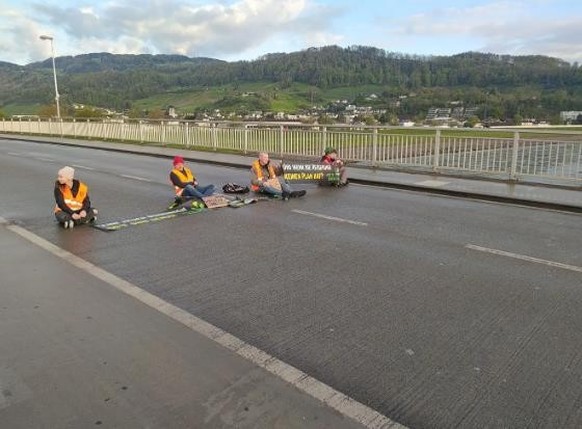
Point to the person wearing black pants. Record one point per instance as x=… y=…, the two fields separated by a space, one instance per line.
x=73 y=206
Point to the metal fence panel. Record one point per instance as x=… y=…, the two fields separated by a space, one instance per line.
x=373 y=146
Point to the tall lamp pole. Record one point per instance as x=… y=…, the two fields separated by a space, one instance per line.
x=54 y=74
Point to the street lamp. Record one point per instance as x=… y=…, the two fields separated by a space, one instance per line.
x=54 y=74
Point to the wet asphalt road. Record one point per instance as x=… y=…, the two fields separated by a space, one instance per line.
x=393 y=309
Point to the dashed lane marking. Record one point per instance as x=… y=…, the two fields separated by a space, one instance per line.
x=525 y=258
x=342 y=403
x=142 y=179
x=83 y=167
x=336 y=219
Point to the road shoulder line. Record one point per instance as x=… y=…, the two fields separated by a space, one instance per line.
x=342 y=403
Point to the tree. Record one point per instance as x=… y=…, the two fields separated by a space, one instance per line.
x=88 y=112
x=2 y=114
x=579 y=120
x=472 y=121
x=47 y=111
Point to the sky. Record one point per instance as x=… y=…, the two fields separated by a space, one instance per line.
x=234 y=30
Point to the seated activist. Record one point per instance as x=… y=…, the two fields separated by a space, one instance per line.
x=339 y=174
x=73 y=206
x=185 y=184
x=266 y=179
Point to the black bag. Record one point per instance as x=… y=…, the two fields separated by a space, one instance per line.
x=233 y=188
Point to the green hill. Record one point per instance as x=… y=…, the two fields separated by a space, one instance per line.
x=499 y=85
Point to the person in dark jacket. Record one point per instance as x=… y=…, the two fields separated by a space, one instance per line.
x=73 y=206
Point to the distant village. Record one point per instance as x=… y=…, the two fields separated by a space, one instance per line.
x=337 y=112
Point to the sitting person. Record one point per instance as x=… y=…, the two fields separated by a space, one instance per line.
x=339 y=175
x=185 y=184
x=266 y=179
x=73 y=206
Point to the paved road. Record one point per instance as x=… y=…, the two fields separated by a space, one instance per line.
x=437 y=312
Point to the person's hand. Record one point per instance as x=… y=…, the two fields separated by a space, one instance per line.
x=195 y=182
x=83 y=213
x=76 y=216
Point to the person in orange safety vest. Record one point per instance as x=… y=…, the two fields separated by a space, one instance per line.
x=264 y=172
x=73 y=206
x=185 y=184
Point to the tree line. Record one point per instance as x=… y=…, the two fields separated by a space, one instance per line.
x=501 y=86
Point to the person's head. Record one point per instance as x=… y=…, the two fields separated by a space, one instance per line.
x=178 y=162
x=66 y=175
x=264 y=158
x=331 y=152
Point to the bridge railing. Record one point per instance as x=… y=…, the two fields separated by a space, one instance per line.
x=555 y=156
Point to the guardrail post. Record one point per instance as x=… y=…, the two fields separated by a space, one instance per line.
x=281 y=141
x=437 y=150
x=323 y=140
x=61 y=132
x=74 y=128
x=375 y=148
x=187 y=133
x=246 y=146
x=213 y=131
x=514 y=153
x=140 y=124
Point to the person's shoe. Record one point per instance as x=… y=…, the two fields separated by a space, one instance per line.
x=93 y=220
x=175 y=204
x=69 y=224
x=286 y=195
x=297 y=194
x=342 y=184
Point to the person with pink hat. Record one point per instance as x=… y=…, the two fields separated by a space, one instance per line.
x=186 y=186
x=73 y=206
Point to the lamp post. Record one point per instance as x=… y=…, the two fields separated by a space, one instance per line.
x=54 y=74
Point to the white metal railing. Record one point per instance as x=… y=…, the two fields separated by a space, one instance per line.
x=512 y=158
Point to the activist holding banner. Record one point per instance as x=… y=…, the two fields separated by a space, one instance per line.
x=339 y=174
x=185 y=184
x=266 y=178
x=73 y=206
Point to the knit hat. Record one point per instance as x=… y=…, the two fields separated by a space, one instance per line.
x=178 y=160
x=67 y=172
x=329 y=150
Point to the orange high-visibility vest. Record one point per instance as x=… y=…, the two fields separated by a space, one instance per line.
x=258 y=169
x=185 y=176
x=75 y=203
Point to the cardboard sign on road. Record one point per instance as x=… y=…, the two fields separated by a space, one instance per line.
x=215 y=201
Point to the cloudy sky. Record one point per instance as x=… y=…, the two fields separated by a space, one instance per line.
x=246 y=29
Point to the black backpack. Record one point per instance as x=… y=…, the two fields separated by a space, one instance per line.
x=233 y=188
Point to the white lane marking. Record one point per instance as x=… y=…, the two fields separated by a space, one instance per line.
x=342 y=403
x=14 y=153
x=84 y=167
x=142 y=179
x=525 y=258
x=337 y=219
x=40 y=158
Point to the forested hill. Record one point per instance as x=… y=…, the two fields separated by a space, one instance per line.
x=117 y=80
x=102 y=62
